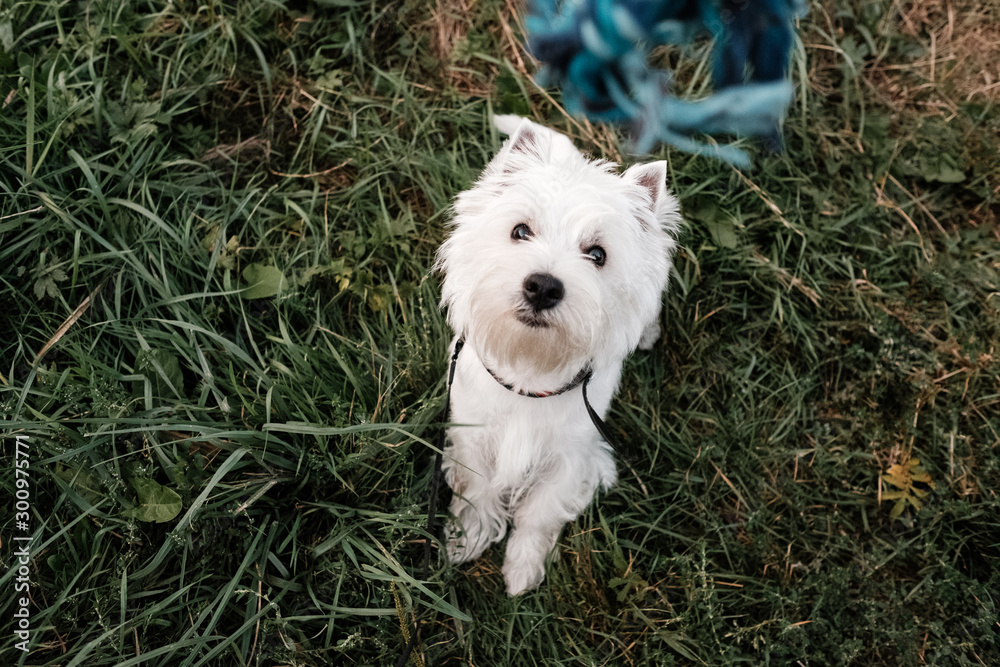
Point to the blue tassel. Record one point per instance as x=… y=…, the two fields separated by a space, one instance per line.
x=597 y=51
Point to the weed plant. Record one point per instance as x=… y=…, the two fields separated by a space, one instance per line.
x=220 y=337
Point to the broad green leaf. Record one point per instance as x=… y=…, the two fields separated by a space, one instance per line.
x=84 y=483
x=157 y=503
x=58 y=562
x=943 y=169
x=264 y=281
x=719 y=224
x=723 y=233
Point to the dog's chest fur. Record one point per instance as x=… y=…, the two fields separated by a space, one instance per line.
x=515 y=438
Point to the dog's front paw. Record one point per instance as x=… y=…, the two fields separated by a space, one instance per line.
x=461 y=544
x=521 y=576
x=468 y=533
x=524 y=564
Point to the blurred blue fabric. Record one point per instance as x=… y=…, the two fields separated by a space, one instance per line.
x=597 y=52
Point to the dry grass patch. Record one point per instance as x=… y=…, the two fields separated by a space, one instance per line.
x=963 y=47
x=455 y=29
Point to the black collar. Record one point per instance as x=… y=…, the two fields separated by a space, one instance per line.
x=583 y=376
x=582 y=379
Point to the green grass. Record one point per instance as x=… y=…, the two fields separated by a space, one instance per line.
x=832 y=314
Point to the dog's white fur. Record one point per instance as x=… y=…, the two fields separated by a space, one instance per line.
x=538 y=461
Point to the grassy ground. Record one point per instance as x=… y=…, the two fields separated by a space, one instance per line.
x=227 y=476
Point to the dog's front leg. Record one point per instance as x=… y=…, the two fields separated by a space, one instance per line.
x=478 y=515
x=538 y=519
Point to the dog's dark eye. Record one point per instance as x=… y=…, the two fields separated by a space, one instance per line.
x=597 y=254
x=521 y=232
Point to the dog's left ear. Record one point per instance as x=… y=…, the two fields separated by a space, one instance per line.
x=652 y=177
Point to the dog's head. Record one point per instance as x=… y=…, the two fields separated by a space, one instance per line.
x=555 y=260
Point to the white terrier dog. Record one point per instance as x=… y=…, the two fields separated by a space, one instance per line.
x=554 y=271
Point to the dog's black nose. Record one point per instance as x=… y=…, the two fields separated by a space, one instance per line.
x=543 y=291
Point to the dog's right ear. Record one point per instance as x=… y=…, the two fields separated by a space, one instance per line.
x=524 y=143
